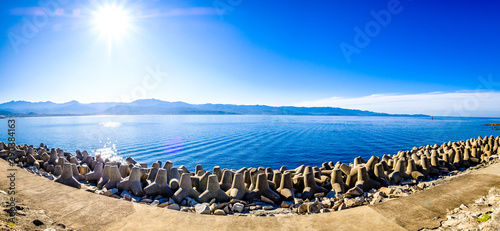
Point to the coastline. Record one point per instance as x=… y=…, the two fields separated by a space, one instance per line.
x=76 y=209
x=263 y=191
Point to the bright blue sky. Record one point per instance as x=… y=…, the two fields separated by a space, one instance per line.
x=258 y=52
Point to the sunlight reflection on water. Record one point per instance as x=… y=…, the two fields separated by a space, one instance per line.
x=108 y=151
x=111 y=124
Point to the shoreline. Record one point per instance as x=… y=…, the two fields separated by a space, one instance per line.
x=76 y=209
x=312 y=115
x=319 y=193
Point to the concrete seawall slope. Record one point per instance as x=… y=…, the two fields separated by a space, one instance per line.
x=88 y=211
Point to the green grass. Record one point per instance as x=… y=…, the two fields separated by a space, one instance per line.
x=484 y=217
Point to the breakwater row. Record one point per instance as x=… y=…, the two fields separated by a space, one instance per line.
x=305 y=189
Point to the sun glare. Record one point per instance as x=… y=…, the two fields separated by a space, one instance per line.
x=112 y=21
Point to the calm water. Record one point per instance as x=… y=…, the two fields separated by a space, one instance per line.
x=235 y=141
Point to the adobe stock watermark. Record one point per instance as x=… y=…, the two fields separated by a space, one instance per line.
x=11 y=132
x=149 y=83
x=223 y=7
x=372 y=29
x=468 y=105
x=31 y=26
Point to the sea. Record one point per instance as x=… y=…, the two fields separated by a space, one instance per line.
x=236 y=141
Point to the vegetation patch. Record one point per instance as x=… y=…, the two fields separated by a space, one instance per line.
x=484 y=217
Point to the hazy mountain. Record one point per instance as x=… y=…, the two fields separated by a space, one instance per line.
x=158 y=107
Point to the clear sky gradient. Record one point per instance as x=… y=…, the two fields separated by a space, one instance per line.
x=419 y=56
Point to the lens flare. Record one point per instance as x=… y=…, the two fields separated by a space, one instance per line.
x=173 y=145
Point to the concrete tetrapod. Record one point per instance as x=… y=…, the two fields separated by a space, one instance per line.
x=84 y=169
x=352 y=177
x=277 y=178
x=464 y=161
x=310 y=186
x=132 y=183
x=269 y=173
x=96 y=174
x=124 y=171
x=67 y=177
x=253 y=178
x=411 y=170
x=53 y=157
x=286 y=190
x=380 y=175
x=130 y=160
x=174 y=179
x=262 y=189
x=159 y=186
x=76 y=173
x=203 y=182
x=198 y=170
x=344 y=168
x=435 y=160
x=91 y=163
x=300 y=169
x=247 y=178
x=61 y=161
x=213 y=191
x=183 y=169
x=364 y=181
x=30 y=159
x=73 y=160
x=325 y=166
x=318 y=177
x=399 y=172
x=153 y=171
x=57 y=170
x=359 y=160
x=114 y=177
x=105 y=176
x=79 y=154
x=426 y=167
x=45 y=157
x=238 y=189
x=468 y=156
x=457 y=158
x=241 y=170
x=337 y=182
x=447 y=158
x=144 y=175
x=168 y=166
x=218 y=172
x=298 y=182
x=226 y=181
x=60 y=152
x=370 y=165
x=85 y=155
x=416 y=158
x=185 y=189
x=195 y=181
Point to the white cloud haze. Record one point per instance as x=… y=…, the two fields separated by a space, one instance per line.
x=462 y=103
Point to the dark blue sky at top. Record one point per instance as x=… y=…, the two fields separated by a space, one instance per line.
x=266 y=52
x=447 y=43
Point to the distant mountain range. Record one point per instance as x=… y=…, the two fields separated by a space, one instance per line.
x=158 y=107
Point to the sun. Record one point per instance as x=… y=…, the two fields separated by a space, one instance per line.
x=112 y=21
